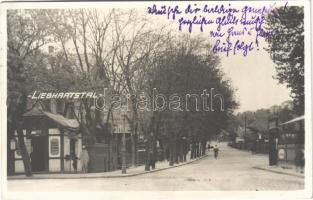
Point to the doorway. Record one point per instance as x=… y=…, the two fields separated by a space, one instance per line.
x=38 y=156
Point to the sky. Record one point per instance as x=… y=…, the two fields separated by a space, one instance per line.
x=251 y=75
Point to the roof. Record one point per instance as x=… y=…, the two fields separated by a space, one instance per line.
x=64 y=122
x=34 y=112
x=258 y=125
x=225 y=132
x=294 y=120
x=71 y=124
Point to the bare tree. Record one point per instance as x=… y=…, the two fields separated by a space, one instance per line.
x=27 y=33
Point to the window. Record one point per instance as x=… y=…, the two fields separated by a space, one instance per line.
x=59 y=107
x=70 y=111
x=51 y=49
x=54 y=147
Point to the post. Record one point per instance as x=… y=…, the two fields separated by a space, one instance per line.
x=62 y=151
x=245 y=136
x=245 y=125
x=124 y=149
x=124 y=155
x=273 y=135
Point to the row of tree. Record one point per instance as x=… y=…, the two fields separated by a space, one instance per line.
x=125 y=53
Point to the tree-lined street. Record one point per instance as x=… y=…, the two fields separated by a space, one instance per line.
x=162 y=104
x=233 y=170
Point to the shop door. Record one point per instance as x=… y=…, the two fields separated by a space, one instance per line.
x=38 y=155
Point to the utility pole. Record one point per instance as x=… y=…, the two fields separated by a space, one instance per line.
x=245 y=125
x=124 y=147
x=245 y=136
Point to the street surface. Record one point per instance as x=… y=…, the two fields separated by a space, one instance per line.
x=231 y=171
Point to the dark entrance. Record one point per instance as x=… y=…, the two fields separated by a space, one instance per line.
x=39 y=157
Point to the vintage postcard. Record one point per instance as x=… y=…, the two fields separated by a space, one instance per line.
x=156 y=100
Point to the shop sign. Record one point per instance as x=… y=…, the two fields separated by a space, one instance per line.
x=281 y=154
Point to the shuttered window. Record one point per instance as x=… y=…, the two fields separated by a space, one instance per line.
x=54 y=147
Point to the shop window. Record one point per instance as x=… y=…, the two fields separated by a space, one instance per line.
x=54 y=147
x=51 y=49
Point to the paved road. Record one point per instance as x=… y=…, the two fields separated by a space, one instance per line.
x=231 y=171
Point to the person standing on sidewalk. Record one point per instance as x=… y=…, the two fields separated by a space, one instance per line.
x=84 y=157
x=74 y=159
x=299 y=161
x=215 y=151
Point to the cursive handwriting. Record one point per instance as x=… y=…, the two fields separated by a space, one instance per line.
x=164 y=10
x=234 y=30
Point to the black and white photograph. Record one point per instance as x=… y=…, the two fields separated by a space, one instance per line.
x=209 y=98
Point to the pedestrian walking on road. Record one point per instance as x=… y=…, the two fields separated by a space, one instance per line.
x=215 y=151
x=84 y=157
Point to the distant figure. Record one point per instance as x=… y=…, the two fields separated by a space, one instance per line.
x=209 y=147
x=302 y=164
x=31 y=155
x=84 y=157
x=74 y=158
x=215 y=151
x=300 y=161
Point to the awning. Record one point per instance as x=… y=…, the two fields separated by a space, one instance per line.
x=294 y=120
x=71 y=124
x=64 y=122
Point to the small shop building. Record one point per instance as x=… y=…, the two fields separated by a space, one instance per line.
x=290 y=146
x=50 y=140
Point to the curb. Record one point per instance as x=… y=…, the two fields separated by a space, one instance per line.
x=108 y=176
x=279 y=172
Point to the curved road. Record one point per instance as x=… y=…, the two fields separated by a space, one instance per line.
x=231 y=171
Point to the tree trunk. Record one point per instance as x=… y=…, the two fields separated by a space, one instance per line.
x=154 y=154
x=185 y=151
x=193 y=149
x=147 y=161
x=171 y=149
x=134 y=149
x=203 y=147
x=24 y=153
x=10 y=153
x=10 y=158
x=175 y=151
x=109 y=153
x=181 y=159
x=197 y=149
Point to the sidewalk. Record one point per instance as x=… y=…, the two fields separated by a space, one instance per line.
x=280 y=170
x=275 y=169
x=133 y=171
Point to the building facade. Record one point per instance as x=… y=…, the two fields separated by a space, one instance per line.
x=52 y=141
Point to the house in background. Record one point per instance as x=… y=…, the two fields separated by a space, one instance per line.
x=290 y=147
x=259 y=135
